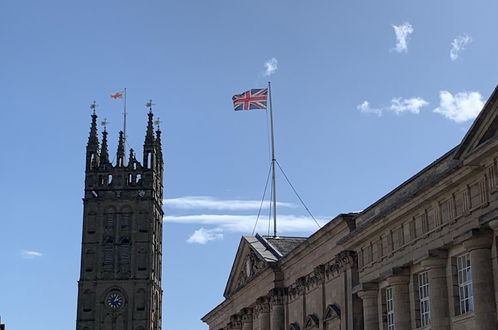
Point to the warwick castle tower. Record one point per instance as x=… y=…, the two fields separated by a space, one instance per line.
x=120 y=277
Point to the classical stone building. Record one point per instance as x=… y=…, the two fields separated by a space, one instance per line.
x=425 y=256
x=120 y=278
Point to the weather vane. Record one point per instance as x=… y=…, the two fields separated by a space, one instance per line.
x=149 y=105
x=104 y=123
x=157 y=122
x=93 y=106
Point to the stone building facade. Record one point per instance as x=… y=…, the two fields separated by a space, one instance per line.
x=425 y=256
x=121 y=254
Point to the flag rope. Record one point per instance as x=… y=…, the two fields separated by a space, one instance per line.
x=262 y=201
x=295 y=192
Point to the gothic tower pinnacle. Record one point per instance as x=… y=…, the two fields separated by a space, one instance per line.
x=121 y=256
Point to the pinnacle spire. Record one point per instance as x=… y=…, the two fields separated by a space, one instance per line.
x=93 y=139
x=131 y=158
x=149 y=136
x=158 y=144
x=104 y=155
x=121 y=149
x=92 y=148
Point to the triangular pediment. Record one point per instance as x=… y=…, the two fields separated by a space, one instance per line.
x=332 y=312
x=294 y=326
x=252 y=258
x=483 y=130
x=312 y=322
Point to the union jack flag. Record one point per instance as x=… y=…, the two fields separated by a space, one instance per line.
x=253 y=99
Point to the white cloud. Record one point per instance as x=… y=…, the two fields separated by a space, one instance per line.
x=460 y=107
x=245 y=223
x=402 y=32
x=202 y=236
x=413 y=105
x=212 y=203
x=365 y=108
x=30 y=254
x=458 y=44
x=271 y=66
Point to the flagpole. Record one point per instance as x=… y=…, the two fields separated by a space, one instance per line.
x=124 y=118
x=273 y=160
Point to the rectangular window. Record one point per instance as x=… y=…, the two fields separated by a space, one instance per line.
x=424 y=301
x=464 y=274
x=390 y=308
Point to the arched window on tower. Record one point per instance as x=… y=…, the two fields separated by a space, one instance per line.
x=109 y=221
x=150 y=160
x=124 y=257
x=108 y=257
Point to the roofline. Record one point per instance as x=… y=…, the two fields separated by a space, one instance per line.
x=411 y=179
x=478 y=121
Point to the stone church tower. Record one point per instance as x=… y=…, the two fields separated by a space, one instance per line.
x=121 y=254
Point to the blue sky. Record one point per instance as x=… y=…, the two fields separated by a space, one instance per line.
x=365 y=94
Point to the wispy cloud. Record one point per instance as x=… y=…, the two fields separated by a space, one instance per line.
x=412 y=105
x=398 y=105
x=365 y=108
x=402 y=33
x=245 y=223
x=271 y=66
x=460 y=107
x=458 y=44
x=202 y=235
x=212 y=203
x=26 y=254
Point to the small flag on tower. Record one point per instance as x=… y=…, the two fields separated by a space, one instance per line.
x=117 y=95
x=253 y=99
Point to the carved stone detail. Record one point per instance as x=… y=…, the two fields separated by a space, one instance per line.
x=247 y=314
x=235 y=322
x=341 y=261
x=252 y=266
x=263 y=305
x=277 y=296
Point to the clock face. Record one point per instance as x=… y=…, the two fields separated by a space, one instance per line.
x=115 y=300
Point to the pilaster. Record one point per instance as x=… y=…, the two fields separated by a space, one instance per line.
x=401 y=299
x=277 y=299
x=247 y=318
x=369 y=295
x=482 y=281
x=438 y=292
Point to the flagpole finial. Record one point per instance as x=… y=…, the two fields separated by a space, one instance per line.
x=158 y=122
x=104 y=124
x=93 y=106
x=149 y=105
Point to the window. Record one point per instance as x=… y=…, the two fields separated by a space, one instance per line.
x=390 y=309
x=424 y=301
x=464 y=274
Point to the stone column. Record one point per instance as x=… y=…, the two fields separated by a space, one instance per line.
x=263 y=306
x=246 y=318
x=277 y=308
x=494 y=257
x=370 y=309
x=482 y=282
x=401 y=300
x=438 y=292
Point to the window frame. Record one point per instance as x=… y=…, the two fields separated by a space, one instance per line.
x=464 y=283
x=424 y=299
